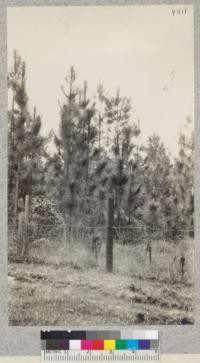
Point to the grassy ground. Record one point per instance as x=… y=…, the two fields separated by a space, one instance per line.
x=56 y=286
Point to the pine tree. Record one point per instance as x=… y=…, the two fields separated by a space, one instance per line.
x=76 y=147
x=67 y=143
x=87 y=148
x=119 y=137
x=34 y=155
x=26 y=145
x=183 y=183
x=157 y=180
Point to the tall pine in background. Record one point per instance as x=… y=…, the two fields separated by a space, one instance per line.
x=157 y=180
x=183 y=190
x=119 y=144
x=26 y=146
x=75 y=150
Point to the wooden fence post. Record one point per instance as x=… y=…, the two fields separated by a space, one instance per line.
x=109 y=243
x=150 y=255
x=26 y=221
x=64 y=230
x=148 y=250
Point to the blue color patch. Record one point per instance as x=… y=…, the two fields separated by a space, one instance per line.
x=144 y=344
x=132 y=344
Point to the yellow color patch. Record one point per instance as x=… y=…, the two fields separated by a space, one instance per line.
x=109 y=344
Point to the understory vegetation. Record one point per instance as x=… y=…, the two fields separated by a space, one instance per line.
x=62 y=287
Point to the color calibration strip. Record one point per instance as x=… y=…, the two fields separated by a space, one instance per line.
x=100 y=346
x=107 y=344
x=98 y=334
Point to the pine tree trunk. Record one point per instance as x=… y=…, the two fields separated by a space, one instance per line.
x=129 y=217
x=118 y=206
x=87 y=156
x=99 y=132
x=26 y=219
x=70 y=227
x=109 y=245
x=64 y=230
x=20 y=233
x=16 y=196
x=11 y=155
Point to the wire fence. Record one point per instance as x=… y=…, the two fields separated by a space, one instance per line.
x=122 y=234
x=50 y=222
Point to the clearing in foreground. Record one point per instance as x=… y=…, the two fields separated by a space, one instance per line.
x=67 y=288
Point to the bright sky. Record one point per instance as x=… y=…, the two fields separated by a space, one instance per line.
x=144 y=50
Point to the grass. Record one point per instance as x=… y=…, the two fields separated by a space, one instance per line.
x=63 y=285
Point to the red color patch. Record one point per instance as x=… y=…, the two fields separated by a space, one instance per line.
x=98 y=345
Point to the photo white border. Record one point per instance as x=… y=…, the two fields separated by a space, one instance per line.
x=25 y=341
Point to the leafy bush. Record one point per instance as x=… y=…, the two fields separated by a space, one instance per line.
x=45 y=219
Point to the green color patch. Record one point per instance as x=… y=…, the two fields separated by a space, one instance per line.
x=121 y=344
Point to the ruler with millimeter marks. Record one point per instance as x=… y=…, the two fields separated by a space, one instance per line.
x=100 y=356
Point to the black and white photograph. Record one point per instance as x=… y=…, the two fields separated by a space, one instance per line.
x=100 y=195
